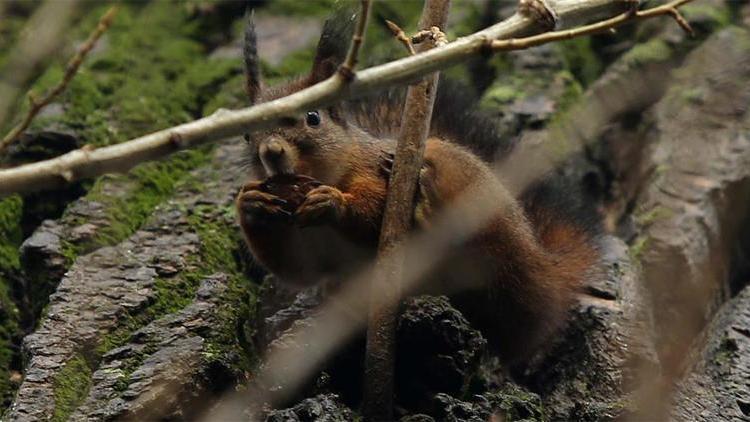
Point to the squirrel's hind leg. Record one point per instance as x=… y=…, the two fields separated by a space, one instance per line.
x=428 y=198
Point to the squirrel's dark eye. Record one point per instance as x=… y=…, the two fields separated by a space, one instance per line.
x=312 y=118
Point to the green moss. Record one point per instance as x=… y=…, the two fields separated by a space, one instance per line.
x=231 y=95
x=503 y=94
x=716 y=17
x=694 y=95
x=226 y=342
x=741 y=38
x=639 y=247
x=143 y=189
x=570 y=92
x=515 y=404
x=10 y=29
x=601 y=411
x=580 y=59
x=11 y=209
x=117 y=94
x=10 y=333
x=219 y=241
x=71 y=385
x=655 y=214
x=147 y=185
x=561 y=87
x=655 y=50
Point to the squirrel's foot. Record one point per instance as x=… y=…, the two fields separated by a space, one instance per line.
x=323 y=204
x=386 y=164
x=252 y=203
x=426 y=195
x=428 y=198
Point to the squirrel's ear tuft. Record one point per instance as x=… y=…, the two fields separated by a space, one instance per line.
x=252 y=64
x=334 y=43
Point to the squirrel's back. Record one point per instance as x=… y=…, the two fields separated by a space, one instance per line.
x=456 y=117
x=554 y=205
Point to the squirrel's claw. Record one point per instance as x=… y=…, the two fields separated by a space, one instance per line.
x=386 y=163
x=322 y=204
x=253 y=203
x=428 y=198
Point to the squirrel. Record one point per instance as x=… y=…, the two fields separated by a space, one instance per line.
x=514 y=280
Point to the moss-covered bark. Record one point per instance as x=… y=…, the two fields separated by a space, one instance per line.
x=149 y=72
x=117 y=95
x=10 y=240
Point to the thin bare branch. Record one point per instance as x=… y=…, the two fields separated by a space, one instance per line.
x=401 y=36
x=81 y=164
x=386 y=285
x=40 y=37
x=682 y=21
x=346 y=70
x=594 y=28
x=37 y=104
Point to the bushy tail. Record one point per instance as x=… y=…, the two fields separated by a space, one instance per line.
x=566 y=226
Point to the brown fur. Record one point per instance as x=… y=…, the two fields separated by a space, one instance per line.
x=515 y=279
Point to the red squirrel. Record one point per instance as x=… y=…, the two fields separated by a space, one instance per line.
x=515 y=279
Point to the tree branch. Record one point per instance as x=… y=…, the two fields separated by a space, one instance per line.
x=70 y=71
x=397 y=220
x=85 y=163
x=40 y=37
x=595 y=28
x=401 y=36
x=346 y=70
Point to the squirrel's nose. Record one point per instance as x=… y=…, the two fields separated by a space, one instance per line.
x=276 y=156
x=274 y=149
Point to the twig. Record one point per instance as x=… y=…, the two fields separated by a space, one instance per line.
x=401 y=36
x=346 y=70
x=40 y=37
x=36 y=105
x=434 y=34
x=79 y=164
x=595 y=28
x=386 y=289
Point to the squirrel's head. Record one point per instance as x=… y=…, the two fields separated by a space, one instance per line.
x=306 y=143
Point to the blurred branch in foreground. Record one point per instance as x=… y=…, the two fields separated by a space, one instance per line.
x=385 y=288
x=40 y=37
x=85 y=163
x=37 y=104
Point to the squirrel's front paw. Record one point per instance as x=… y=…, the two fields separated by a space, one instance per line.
x=253 y=203
x=322 y=205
